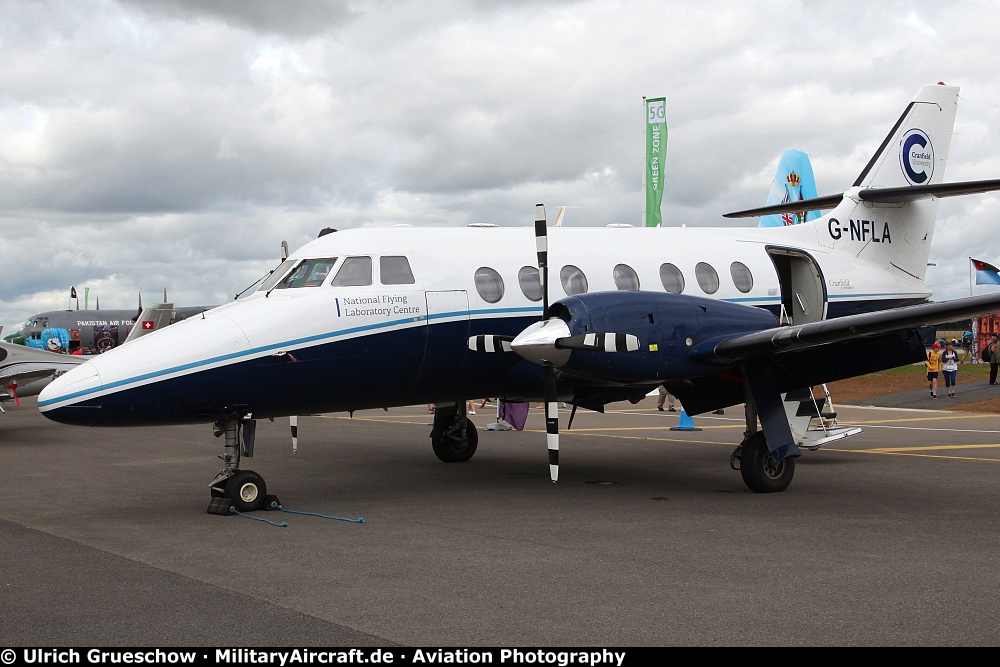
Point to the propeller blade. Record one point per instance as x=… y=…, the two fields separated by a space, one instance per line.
x=293 y=422
x=490 y=343
x=542 y=250
x=599 y=342
x=551 y=419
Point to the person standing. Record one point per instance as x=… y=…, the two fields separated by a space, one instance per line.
x=994 y=360
x=949 y=367
x=933 y=364
x=665 y=397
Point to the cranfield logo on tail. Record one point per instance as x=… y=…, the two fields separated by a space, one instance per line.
x=917 y=157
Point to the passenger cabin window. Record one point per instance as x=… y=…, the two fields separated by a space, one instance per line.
x=395 y=270
x=671 y=278
x=309 y=273
x=530 y=282
x=708 y=278
x=626 y=277
x=489 y=284
x=742 y=277
x=573 y=280
x=355 y=272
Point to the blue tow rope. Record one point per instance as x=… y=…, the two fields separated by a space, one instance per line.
x=277 y=506
x=258 y=518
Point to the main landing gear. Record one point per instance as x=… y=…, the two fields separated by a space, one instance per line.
x=242 y=490
x=753 y=458
x=758 y=468
x=454 y=437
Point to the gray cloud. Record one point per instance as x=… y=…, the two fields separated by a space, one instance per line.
x=174 y=143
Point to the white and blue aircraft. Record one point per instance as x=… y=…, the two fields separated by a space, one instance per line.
x=372 y=318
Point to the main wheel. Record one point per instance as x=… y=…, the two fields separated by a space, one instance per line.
x=759 y=469
x=449 y=445
x=246 y=490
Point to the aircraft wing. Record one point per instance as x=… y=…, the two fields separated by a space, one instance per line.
x=24 y=375
x=782 y=339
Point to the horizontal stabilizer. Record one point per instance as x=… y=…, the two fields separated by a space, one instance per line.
x=817 y=203
x=914 y=192
x=880 y=195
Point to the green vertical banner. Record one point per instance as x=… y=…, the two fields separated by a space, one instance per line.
x=656 y=150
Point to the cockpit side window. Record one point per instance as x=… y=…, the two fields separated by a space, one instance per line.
x=355 y=272
x=395 y=270
x=309 y=273
x=277 y=275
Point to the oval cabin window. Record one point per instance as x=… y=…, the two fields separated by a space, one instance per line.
x=626 y=277
x=708 y=278
x=489 y=284
x=742 y=277
x=573 y=281
x=671 y=278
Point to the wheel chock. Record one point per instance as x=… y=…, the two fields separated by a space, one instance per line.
x=685 y=423
x=221 y=506
x=271 y=503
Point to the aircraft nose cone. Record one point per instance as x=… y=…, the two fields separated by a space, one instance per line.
x=68 y=397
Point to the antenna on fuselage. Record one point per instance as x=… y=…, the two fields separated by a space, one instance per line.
x=284 y=250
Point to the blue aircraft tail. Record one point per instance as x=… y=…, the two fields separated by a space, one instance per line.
x=793 y=181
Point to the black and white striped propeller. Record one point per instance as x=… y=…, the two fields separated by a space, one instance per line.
x=549 y=343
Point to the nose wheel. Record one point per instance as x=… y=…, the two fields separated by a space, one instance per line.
x=232 y=488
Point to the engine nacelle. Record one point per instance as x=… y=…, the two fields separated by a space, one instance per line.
x=667 y=325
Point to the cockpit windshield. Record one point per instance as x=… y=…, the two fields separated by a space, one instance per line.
x=307 y=273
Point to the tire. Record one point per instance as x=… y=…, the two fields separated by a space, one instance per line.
x=449 y=447
x=246 y=490
x=760 y=471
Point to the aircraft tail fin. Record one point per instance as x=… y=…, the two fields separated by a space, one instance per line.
x=888 y=217
x=915 y=151
x=150 y=319
x=793 y=181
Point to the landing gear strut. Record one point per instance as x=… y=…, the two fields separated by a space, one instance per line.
x=243 y=490
x=453 y=437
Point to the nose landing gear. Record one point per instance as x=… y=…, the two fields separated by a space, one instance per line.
x=232 y=488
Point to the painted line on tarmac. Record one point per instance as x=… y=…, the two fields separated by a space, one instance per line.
x=574 y=432
x=915 y=454
x=578 y=429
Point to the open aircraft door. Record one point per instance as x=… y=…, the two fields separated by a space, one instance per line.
x=803 y=288
x=447 y=340
x=804 y=299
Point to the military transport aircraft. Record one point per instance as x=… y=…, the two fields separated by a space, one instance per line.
x=362 y=318
x=25 y=371
x=98 y=330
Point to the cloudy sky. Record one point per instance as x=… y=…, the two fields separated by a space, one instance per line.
x=151 y=144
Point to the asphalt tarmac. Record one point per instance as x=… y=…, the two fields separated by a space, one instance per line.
x=889 y=538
